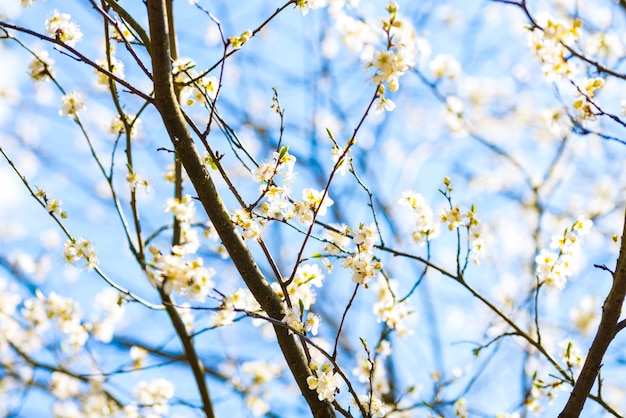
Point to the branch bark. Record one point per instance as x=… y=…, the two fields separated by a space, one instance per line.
x=174 y=121
x=607 y=330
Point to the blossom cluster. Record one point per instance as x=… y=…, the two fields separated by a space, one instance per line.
x=399 y=54
x=400 y=49
x=153 y=398
x=238 y=41
x=108 y=312
x=306 y=5
x=301 y=289
x=184 y=210
x=253 y=380
x=40 y=68
x=52 y=206
x=314 y=203
x=73 y=103
x=276 y=202
x=456 y=218
x=242 y=300
x=373 y=406
x=362 y=261
x=571 y=354
x=373 y=372
x=74 y=250
x=65 y=313
x=583 y=103
x=301 y=295
x=194 y=89
x=294 y=318
x=251 y=228
x=118 y=127
x=425 y=227
x=342 y=161
x=554 y=267
x=134 y=180
x=389 y=309
x=549 y=42
x=337 y=242
x=189 y=278
x=92 y=403
x=62 y=27
x=115 y=67
x=445 y=66
x=325 y=381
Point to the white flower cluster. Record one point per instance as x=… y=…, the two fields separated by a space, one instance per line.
x=195 y=90
x=400 y=49
x=554 y=267
x=306 y=5
x=72 y=104
x=373 y=373
x=325 y=382
x=301 y=289
x=60 y=26
x=253 y=381
x=117 y=125
x=242 y=299
x=108 y=312
x=134 y=180
x=153 y=397
x=188 y=278
x=64 y=386
x=542 y=389
x=337 y=242
x=251 y=228
x=116 y=68
x=278 y=204
x=357 y=35
x=184 y=210
x=362 y=262
x=425 y=227
x=548 y=44
x=572 y=356
x=453 y=116
x=583 y=106
x=74 y=250
x=345 y=163
x=276 y=201
x=400 y=53
x=40 y=68
x=374 y=406
x=314 y=203
x=303 y=296
x=445 y=66
x=294 y=318
x=456 y=218
x=388 y=309
x=65 y=313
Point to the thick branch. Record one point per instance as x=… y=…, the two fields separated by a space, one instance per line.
x=190 y=353
x=606 y=332
x=164 y=93
x=165 y=101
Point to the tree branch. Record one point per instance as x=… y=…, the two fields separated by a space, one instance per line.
x=607 y=330
x=174 y=121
